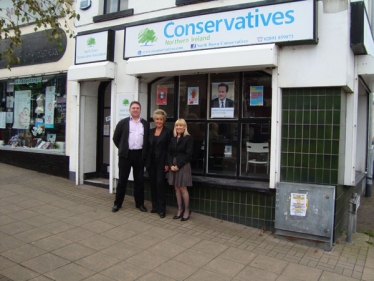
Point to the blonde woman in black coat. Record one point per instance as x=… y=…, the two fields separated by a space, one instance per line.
x=180 y=154
x=159 y=139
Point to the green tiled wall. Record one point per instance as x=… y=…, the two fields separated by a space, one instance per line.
x=254 y=209
x=311 y=135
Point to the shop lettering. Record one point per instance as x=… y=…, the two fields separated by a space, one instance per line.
x=250 y=21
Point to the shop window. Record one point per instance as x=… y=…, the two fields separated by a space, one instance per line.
x=163 y=96
x=255 y=149
x=192 y=96
x=256 y=95
x=222 y=148
x=33 y=113
x=112 y=6
x=220 y=134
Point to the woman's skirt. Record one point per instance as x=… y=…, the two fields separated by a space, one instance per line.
x=182 y=177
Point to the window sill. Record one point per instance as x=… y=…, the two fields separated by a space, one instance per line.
x=33 y=150
x=113 y=16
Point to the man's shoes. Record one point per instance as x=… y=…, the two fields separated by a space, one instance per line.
x=153 y=211
x=142 y=208
x=162 y=215
x=115 y=208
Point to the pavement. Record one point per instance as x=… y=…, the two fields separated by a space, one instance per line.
x=51 y=229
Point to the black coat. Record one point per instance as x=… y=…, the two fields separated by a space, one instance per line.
x=181 y=150
x=160 y=148
x=121 y=137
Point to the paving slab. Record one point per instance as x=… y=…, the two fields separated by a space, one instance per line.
x=51 y=229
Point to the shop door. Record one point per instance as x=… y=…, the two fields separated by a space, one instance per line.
x=103 y=138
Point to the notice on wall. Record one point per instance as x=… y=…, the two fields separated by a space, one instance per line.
x=299 y=204
x=123 y=105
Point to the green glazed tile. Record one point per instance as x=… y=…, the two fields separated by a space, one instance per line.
x=314 y=117
x=328 y=132
x=321 y=117
x=328 y=145
x=292 y=132
x=335 y=147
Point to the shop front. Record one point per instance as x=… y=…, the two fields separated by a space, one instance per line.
x=273 y=109
x=33 y=106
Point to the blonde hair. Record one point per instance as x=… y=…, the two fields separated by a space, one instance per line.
x=159 y=113
x=182 y=122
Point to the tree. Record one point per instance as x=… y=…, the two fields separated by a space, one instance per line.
x=51 y=16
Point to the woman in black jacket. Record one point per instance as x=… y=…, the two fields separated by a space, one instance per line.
x=180 y=154
x=159 y=139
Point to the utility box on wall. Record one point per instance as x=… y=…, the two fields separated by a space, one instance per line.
x=305 y=213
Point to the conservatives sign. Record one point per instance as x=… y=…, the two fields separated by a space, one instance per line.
x=289 y=22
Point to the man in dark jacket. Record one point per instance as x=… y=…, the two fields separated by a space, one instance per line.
x=131 y=139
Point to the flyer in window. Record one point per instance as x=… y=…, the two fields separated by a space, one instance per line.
x=22 y=109
x=256 y=96
x=2 y=120
x=50 y=106
x=162 y=96
x=193 y=96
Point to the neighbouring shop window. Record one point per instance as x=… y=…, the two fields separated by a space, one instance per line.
x=222 y=133
x=33 y=112
x=112 y=6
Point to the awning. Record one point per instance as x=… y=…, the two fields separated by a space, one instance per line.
x=92 y=71
x=205 y=61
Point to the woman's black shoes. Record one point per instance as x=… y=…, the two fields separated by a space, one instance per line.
x=185 y=219
x=176 y=217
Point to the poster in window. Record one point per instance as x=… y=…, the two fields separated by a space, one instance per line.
x=22 y=102
x=9 y=102
x=256 y=96
x=193 y=96
x=2 y=120
x=162 y=96
x=50 y=106
x=222 y=103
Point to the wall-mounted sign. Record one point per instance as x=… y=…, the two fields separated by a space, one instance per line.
x=95 y=47
x=292 y=22
x=36 y=49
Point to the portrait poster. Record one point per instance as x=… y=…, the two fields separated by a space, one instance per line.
x=222 y=100
x=49 y=106
x=256 y=96
x=192 y=95
x=22 y=101
x=162 y=96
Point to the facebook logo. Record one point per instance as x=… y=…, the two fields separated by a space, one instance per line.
x=193 y=46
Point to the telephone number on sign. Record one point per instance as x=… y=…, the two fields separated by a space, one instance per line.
x=283 y=37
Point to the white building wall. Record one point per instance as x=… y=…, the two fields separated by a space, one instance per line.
x=329 y=63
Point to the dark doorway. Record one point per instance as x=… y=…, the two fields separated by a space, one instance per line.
x=103 y=124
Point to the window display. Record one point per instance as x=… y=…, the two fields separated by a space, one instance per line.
x=225 y=112
x=33 y=112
